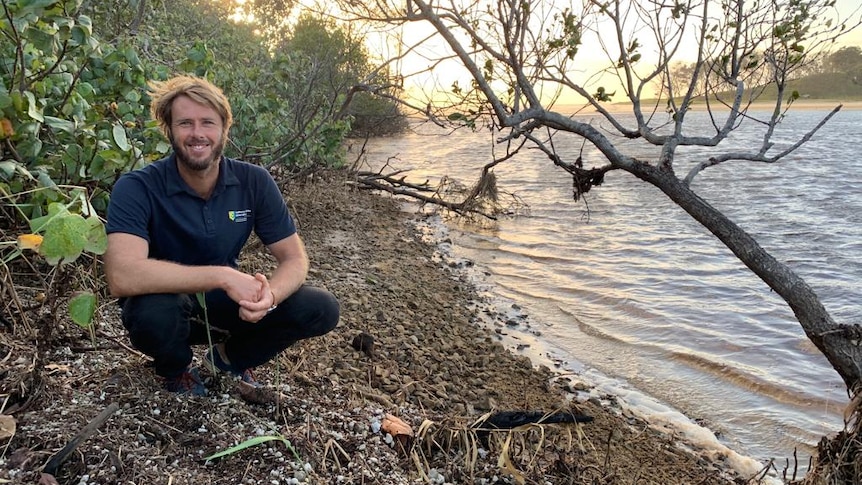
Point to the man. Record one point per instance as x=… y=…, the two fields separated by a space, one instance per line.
x=176 y=228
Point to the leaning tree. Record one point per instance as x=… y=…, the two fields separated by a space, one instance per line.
x=733 y=51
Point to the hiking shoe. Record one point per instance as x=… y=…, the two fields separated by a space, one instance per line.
x=213 y=358
x=188 y=383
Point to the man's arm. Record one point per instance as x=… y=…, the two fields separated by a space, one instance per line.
x=130 y=272
x=288 y=276
x=292 y=267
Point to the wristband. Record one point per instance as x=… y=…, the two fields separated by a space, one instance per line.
x=274 y=304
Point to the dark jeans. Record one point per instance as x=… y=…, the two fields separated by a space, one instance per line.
x=165 y=326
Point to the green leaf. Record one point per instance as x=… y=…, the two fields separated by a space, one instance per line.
x=65 y=238
x=80 y=35
x=82 y=307
x=13 y=166
x=120 y=139
x=133 y=97
x=43 y=41
x=7 y=168
x=87 y=23
x=163 y=147
x=5 y=99
x=97 y=238
x=45 y=180
x=33 y=109
x=60 y=124
x=28 y=6
x=248 y=444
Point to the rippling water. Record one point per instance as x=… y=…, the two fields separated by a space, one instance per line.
x=629 y=285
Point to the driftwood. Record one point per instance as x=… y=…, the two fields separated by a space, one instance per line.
x=472 y=203
x=61 y=456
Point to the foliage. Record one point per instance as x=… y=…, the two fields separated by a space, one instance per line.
x=284 y=122
x=73 y=121
x=342 y=59
x=285 y=87
x=67 y=235
x=846 y=61
x=71 y=106
x=61 y=237
x=269 y=16
x=74 y=106
x=822 y=86
x=375 y=116
x=835 y=76
x=333 y=61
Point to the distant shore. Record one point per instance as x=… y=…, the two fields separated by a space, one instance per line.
x=802 y=104
x=798 y=105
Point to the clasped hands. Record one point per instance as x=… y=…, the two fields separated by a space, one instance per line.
x=254 y=295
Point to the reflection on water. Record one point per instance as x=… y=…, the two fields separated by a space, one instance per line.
x=639 y=291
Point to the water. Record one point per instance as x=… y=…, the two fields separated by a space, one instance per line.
x=628 y=288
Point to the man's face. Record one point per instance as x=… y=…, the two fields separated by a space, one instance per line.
x=196 y=134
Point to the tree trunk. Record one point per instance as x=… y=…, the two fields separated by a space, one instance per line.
x=139 y=17
x=839 y=343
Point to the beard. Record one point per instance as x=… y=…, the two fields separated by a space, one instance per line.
x=198 y=164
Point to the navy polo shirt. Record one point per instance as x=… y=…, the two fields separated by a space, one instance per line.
x=155 y=203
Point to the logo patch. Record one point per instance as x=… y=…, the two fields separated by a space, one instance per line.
x=239 y=216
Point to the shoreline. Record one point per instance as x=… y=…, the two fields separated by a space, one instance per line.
x=510 y=325
x=758 y=106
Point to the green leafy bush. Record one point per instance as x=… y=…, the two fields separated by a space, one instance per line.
x=74 y=112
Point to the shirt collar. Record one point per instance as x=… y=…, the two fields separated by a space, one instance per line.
x=175 y=184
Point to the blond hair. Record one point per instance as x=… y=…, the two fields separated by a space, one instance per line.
x=198 y=90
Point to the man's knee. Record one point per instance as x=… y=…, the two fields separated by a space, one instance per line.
x=316 y=311
x=331 y=309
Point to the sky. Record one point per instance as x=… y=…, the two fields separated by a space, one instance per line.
x=589 y=57
x=847 y=7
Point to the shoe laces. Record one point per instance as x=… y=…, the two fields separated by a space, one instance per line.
x=247 y=376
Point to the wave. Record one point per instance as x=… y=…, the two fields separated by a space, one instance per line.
x=747 y=381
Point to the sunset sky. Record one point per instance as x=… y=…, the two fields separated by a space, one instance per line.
x=589 y=59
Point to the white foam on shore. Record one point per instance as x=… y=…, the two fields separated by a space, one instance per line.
x=506 y=320
x=667 y=419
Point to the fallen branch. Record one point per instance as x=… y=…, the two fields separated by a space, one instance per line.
x=398 y=186
x=61 y=456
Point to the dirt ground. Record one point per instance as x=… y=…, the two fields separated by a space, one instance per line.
x=326 y=412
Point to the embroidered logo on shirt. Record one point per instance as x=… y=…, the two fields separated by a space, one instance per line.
x=239 y=216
